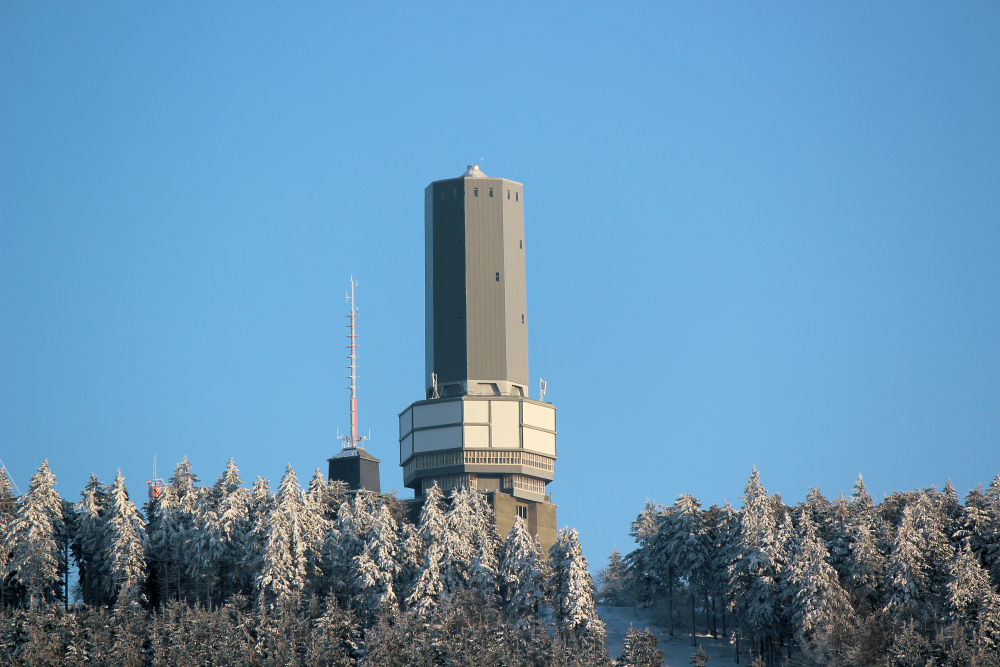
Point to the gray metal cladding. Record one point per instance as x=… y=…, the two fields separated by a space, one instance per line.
x=445 y=236
x=515 y=303
x=485 y=278
x=476 y=316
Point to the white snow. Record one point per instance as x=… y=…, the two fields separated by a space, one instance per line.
x=677 y=649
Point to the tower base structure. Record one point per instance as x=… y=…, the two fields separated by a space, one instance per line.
x=356 y=468
x=503 y=445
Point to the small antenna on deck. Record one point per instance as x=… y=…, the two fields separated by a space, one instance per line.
x=542 y=386
x=434 y=384
x=353 y=440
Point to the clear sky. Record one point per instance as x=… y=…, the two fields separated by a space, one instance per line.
x=757 y=234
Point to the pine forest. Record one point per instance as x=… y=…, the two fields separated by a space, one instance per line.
x=223 y=574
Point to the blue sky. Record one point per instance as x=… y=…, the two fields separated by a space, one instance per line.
x=757 y=234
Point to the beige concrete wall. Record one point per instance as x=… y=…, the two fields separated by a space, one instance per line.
x=541 y=519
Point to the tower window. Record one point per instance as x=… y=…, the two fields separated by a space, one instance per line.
x=515 y=197
x=522 y=512
x=522 y=318
x=475 y=191
x=508 y=194
x=498 y=276
x=520 y=244
x=491 y=192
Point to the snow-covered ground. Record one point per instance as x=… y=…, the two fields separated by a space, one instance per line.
x=677 y=649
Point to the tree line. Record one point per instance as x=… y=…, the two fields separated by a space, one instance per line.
x=911 y=581
x=223 y=574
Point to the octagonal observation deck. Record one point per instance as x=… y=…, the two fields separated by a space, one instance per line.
x=492 y=443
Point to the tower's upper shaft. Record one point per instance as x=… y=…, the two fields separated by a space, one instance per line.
x=476 y=317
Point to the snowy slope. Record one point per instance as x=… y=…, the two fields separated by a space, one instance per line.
x=678 y=648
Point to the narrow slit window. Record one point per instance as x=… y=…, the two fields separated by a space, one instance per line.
x=515 y=196
x=454 y=193
x=498 y=276
x=508 y=194
x=475 y=191
x=522 y=318
x=491 y=192
x=520 y=244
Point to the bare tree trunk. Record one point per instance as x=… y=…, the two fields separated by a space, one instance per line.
x=708 y=623
x=670 y=575
x=737 y=633
x=694 y=641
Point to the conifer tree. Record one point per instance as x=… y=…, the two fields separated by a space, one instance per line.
x=125 y=553
x=259 y=508
x=639 y=649
x=968 y=587
x=89 y=544
x=614 y=580
x=292 y=547
x=427 y=587
x=573 y=592
x=754 y=568
x=204 y=548
x=649 y=563
x=689 y=548
x=8 y=509
x=813 y=592
x=905 y=580
x=31 y=538
x=377 y=567
x=484 y=568
x=522 y=575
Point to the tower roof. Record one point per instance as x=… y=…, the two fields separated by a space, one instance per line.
x=472 y=171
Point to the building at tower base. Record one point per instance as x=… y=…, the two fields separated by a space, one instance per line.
x=356 y=468
x=477 y=428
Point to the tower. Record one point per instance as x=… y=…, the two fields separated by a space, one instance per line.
x=353 y=465
x=477 y=427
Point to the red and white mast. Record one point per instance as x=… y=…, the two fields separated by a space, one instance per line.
x=353 y=440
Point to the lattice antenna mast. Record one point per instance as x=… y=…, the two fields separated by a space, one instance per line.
x=353 y=440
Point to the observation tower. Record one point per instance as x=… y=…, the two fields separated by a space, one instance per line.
x=476 y=426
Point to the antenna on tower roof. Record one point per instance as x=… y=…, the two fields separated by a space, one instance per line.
x=353 y=440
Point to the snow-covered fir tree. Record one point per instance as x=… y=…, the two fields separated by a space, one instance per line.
x=204 y=548
x=905 y=579
x=293 y=545
x=31 y=537
x=376 y=569
x=522 y=575
x=865 y=563
x=639 y=649
x=688 y=548
x=89 y=547
x=649 y=562
x=754 y=568
x=813 y=589
x=486 y=545
x=968 y=587
x=232 y=572
x=573 y=592
x=8 y=508
x=427 y=587
x=125 y=554
x=613 y=586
